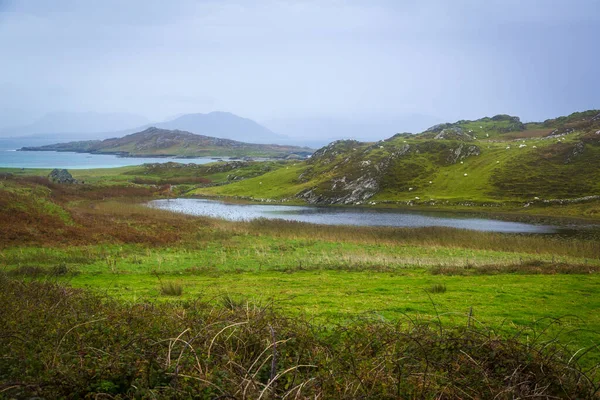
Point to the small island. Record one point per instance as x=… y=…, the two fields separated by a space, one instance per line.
x=155 y=142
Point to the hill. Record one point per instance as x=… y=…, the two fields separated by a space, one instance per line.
x=487 y=161
x=223 y=125
x=161 y=142
x=97 y=126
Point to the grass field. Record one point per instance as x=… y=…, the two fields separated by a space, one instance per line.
x=158 y=267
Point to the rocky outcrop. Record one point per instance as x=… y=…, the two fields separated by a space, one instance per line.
x=62 y=176
x=576 y=152
x=453 y=134
x=349 y=191
x=559 y=133
x=462 y=152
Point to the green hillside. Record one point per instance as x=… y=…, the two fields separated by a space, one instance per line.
x=484 y=162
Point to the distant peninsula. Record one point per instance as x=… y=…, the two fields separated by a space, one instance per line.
x=157 y=142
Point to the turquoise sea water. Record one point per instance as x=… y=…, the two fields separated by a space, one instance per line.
x=51 y=159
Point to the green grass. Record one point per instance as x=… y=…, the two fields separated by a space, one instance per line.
x=155 y=269
x=60 y=342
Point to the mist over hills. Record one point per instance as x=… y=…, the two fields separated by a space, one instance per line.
x=95 y=126
x=86 y=124
x=223 y=125
x=318 y=131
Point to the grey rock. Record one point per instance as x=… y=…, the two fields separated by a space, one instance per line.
x=453 y=134
x=62 y=176
x=462 y=152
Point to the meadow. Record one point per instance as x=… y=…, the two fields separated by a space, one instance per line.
x=123 y=300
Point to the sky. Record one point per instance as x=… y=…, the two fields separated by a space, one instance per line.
x=300 y=60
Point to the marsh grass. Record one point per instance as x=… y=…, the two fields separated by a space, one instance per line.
x=437 y=288
x=34 y=271
x=60 y=342
x=171 y=288
x=532 y=267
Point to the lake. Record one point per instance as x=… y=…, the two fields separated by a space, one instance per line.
x=343 y=216
x=52 y=159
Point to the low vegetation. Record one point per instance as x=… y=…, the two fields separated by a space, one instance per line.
x=59 y=342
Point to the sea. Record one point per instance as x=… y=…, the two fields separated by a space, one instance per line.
x=10 y=157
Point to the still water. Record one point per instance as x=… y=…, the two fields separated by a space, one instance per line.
x=53 y=159
x=342 y=216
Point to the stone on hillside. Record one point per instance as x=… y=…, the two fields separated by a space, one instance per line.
x=453 y=134
x=462 y=152
x=61 y=176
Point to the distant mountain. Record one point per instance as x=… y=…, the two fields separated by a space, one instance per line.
x=223 y=125
x=70 y=126
x=162 y=142
x=76 y=123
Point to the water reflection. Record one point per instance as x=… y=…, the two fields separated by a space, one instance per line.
x=342 y=216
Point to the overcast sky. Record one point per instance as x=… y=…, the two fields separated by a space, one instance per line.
x=276 y=59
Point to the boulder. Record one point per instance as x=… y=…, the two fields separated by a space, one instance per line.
x=62 y=176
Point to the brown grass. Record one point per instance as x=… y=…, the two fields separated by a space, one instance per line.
x=525 y=268
x=115 y=214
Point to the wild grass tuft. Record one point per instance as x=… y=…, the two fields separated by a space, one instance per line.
x=171 y=288
x=437 y=288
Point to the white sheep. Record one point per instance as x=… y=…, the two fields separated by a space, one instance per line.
x=465 y=174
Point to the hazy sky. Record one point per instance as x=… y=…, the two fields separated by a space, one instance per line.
x=273 y=59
